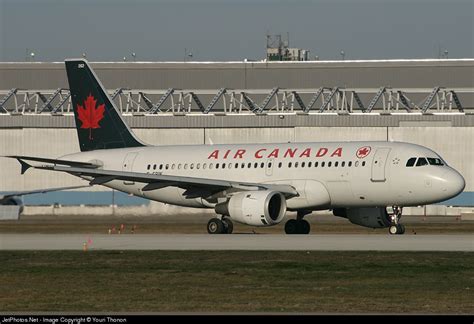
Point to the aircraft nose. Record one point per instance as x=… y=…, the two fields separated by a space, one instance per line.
x=452 y=183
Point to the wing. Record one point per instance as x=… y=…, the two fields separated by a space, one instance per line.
x=194 y=187
x=25 y=166
x=22 y=193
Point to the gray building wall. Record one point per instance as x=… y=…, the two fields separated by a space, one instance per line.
x=247 y=75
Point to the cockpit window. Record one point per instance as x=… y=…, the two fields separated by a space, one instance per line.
x=421 y=162
x=435 y=161
x=411 y=162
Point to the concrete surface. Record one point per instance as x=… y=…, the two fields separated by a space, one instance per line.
x=352 y=242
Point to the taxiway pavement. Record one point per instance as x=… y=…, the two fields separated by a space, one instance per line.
x=321 y=242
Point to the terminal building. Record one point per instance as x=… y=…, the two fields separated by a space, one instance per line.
x=427 y=102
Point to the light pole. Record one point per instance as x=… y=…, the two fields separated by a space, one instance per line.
x=32 y=55
x=186 y=54
x=134 y=55
x=446 y=53
x=343 y=54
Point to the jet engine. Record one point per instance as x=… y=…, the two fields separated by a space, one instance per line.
x=12 y=201
x=255 y=208
x=373 y=217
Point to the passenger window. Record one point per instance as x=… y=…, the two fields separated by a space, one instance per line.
x=309 y=164
x=148 y=167
x=179 y=166
x=223 y=165
x=249 y=165
x=279 y=165
x=289 y=164
x=350 y=163
x=322 y=164
x=329 y=164
x=211 y=165
x=198 y=166
x=255 y=165
x=270 y=164
x=236 y=165
x=217 y=165
x=191 y=166
x=336 y=164
x=229 y=166
x=154 y=166
x=167 y=166
x=262 y=165
x=302 y=164
x=204 y=166
x=185 y=166
x=172 y=166
x=242 y=165
x=296 y=164
x=363 y=163
x=411 y=162
x=343 y=164
x=316 y=164
x=421 y=162
x=356 y=163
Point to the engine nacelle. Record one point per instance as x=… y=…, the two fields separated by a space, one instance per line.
x=373 y=217
x=13 y=201
x=255 y=208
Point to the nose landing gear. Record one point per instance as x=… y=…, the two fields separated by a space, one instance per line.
x=396 y=227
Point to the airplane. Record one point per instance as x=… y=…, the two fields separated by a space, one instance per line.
x=254 y=184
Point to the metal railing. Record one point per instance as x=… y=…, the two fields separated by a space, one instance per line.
x=254 y=101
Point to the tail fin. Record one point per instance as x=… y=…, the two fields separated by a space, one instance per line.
x=98 y=122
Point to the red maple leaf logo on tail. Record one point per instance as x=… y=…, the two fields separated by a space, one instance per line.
x=90 y=116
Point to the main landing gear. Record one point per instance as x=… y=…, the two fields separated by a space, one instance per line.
x=298 y=225
x=396 y=227
x=220 y=226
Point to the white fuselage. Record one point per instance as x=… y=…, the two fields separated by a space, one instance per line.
x=326 y=175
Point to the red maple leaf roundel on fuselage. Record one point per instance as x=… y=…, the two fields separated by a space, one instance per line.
x=90 y=116
x=363 y=152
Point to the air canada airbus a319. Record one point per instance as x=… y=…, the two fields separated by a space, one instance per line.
x=255 y=184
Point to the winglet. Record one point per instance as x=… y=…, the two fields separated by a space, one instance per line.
x=24 y=166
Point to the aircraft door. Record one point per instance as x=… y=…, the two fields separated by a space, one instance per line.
x=128 y=165
x=269 y=167
x=378 y=164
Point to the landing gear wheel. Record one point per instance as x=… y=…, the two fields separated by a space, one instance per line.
x=397 y=229
x=228 y=226
x=294 y=226
x=304 y=227
x=215 y=226
x=393 y=229
x=291 y=227
x=401 y=229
